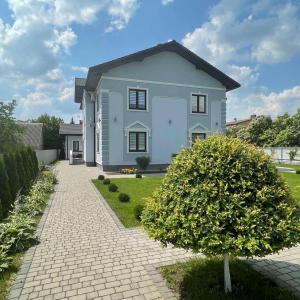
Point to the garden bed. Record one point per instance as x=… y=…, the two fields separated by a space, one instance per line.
x=138 y=189
x=203 y=278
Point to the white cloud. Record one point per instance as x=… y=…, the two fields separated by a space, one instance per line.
x=55 y=74
x=166 y=2
x=67 y=94
x=121 y=12
x=80 y=69
x=244 y=30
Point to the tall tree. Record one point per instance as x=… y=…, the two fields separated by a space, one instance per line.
x=52 y=139
x=72 y=121
x=10 y=131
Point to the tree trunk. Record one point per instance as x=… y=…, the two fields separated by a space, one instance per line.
x=227 y=279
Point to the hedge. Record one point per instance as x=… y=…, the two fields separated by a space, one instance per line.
x=18 y=171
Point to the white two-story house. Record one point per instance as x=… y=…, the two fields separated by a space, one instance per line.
x=150 y=103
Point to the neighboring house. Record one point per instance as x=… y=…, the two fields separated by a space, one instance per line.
x=73 y=138
x=242 y=122
x=150 y=103
x=33 y=135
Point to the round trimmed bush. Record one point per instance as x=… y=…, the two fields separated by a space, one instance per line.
x=112 y=187
x=223 y=197
x=138 y=175
x=124 y=197
x=297 y=171
x=138 y=211
x=106 y=181
x=101 y=177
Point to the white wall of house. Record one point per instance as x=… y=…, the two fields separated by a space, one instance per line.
x=169 y=80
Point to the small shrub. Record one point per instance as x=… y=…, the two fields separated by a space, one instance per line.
x=101 y=177
x=138 y=211
x=292 y=154
x=49 y=176
x=18 y=234
x=112 y=187
x=106 y=181
x=138 y=176
x=124 y=197
x=128 y=171
x=143 y=162
x=297 y=171
x=5 y=260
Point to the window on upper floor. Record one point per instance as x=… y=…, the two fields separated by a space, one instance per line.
x=198 y=135
x=199 y=104
x=137 y=141
x=137 y=99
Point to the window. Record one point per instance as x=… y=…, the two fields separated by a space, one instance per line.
x=97 y=142
x=137 y=141
x=197 y=135
x=199 y=103
x=76 y=146
x=137 y=99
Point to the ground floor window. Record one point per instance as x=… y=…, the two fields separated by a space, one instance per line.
x=198 y=135
x=76 y=146
x=137 y=141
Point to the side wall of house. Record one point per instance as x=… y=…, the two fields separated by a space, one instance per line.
x=169 y=80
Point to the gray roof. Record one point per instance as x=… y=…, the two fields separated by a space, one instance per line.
x=70 y=129
x=79 y=86
x=96 y=72
x=33 y=135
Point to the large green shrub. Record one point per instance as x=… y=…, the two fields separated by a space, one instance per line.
x=21 y=171
x=12 y=172
x=223 y=197
x=5 y=195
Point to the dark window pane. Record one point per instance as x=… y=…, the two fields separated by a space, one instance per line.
x=200 y=136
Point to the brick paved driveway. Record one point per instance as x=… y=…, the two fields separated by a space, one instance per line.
x=85 y=253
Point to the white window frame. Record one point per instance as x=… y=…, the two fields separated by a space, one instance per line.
x=194 y=129
x=191 y=102
x=147 y=98
x=132 y=127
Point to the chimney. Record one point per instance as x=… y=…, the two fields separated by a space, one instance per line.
x=80 y=122
x=235 y=119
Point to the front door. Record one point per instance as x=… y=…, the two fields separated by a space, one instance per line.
x=169 y=128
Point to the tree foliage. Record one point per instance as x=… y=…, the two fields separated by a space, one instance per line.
x=263 y=131
x=223 y=196
x=10 y=131
x=52 y=139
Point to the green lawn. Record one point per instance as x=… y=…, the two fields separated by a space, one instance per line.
x=203 y=278
x=295 y=167
x=137 y=189
x=293 y=181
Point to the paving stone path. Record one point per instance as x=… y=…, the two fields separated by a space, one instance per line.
x=86 y=253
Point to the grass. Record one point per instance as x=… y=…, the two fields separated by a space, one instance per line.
x=137 y=189
x=203 y=278
x=295 y=167
x=293 y=181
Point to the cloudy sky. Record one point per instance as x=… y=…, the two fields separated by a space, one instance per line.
x=44 y=44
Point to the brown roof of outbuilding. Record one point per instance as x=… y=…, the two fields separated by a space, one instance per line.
x=70 y=129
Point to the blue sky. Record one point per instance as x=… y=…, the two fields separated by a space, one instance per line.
x=44 y=44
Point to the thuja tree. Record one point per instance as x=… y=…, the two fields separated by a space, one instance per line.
x=223 y=197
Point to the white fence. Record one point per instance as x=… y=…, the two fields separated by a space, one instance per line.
x=46 y=156
x=282 y=153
